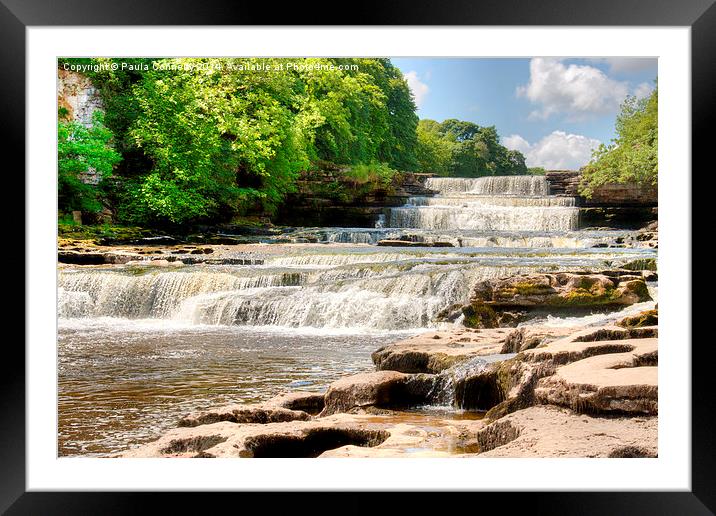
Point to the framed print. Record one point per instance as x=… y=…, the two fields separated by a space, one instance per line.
x=419 y=252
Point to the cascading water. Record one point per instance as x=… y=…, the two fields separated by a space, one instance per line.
x=374 y=290
x=500 y=203
x=142 y=345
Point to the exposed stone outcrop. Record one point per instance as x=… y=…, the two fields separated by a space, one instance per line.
x=615 y=382
x=546 y=431
x=77 y=96
x=437 y=351
x=376 y=389
x=599 y=370
x=296 y=438
x=566 y=393
x=78 y=100
x=621 y=217
x=287 y=407
x=560 y=290
x=408 y=243
x=640 y=320
x=566 y=182
x=508 y=301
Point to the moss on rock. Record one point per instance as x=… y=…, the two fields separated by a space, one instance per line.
x=640 y=320
x=479 y=315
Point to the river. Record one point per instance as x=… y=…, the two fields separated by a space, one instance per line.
x=141 y=345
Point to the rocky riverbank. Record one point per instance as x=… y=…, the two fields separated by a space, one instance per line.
x=532 y=391
x=526 y=346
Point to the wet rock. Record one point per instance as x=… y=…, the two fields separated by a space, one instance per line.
x=595 y=341
x=290 y=406
x=644 y=264
x=379 y=389
x=599 y=370
x=93 y=258
x=651 y=227
x=557 y=291
x=308 y=402
x=547 y=431
x=399 y=243
x=529 y=337
x=434 y=352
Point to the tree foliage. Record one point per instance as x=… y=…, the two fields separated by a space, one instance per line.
x=460 y=148
x=82 y=151
x=206 y=139
x=203 y=139
x=633 y=155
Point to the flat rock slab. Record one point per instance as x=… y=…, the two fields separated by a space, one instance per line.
x=340 y=435
x=435 y=351
x=595 y=341
x=545 y=431
x=290 y=406
x=605 y=383
x=601 y=370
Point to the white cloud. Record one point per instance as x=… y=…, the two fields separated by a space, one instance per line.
x=643 y=90
x=627 y=64
x=419 y=88
x=556 y=151
x=576 y=90
x=516 y=142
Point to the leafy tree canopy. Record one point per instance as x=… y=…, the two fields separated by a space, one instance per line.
x=203 y=139
x=459 y=148
x=633 y=155
x=83 y=152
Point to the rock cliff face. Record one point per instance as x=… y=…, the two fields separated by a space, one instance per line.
x=78 y=96
x=627 y=195
x=322 y=199
x=78 y=100
x=626 y=205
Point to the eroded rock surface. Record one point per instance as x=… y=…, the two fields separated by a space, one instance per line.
x=547 y=431
x=286 y=407
x=590 y=392
x=437 y=351
x=564 y=289
x=339 y=435
x=376 y=389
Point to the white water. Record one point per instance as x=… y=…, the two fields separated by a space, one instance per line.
x=325 y=289
x=499 y=225
x=500 y=203
x=494 y=185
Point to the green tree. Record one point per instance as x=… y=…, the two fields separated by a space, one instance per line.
x=82 y=151
x=459 y=148
x=218 y=136
x=434 y=149
x=633 y=155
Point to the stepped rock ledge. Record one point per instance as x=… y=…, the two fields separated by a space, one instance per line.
x=532 y=391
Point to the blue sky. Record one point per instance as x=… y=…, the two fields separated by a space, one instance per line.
x=553 y=110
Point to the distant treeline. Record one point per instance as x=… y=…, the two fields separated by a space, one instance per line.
x=457 y=148
x=205 y=139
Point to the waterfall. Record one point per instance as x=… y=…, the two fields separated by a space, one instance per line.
x=498 y=203
x=399 y=295
x=492 y=185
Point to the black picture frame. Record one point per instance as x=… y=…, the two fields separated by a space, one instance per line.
x=17 y=15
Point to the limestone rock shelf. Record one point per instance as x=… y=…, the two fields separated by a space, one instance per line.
x=570 y=392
